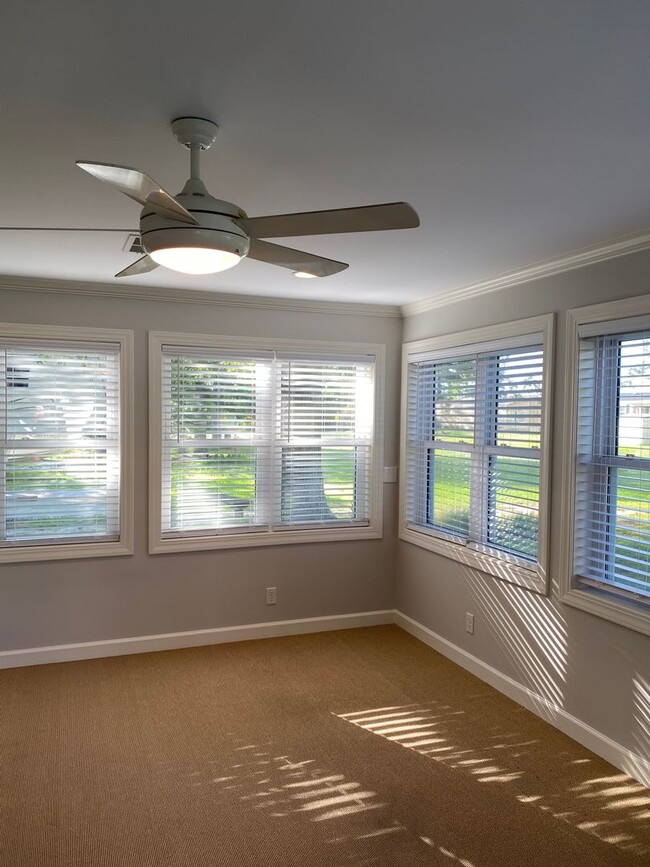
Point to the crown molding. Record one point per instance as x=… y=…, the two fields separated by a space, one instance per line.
x=195 y=296
x=611 y=249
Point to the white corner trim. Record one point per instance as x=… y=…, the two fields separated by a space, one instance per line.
x=194 y=638
x=630 y=763
x=611 y=249
x=195 y=296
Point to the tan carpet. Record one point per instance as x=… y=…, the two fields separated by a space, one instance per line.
x=359 y=747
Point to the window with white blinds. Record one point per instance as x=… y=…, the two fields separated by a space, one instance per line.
x=262 y=442
x=59 y=442
x=612 y=492
x=475 y=449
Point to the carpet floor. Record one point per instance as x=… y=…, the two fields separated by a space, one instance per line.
x=358 y=747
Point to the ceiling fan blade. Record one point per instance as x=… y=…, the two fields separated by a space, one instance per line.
x=140 y=266
x=294 y=260
x=65 y=229
x=372 y=218
x=140 y=187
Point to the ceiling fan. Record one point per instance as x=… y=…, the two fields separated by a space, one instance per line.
x=195 y=233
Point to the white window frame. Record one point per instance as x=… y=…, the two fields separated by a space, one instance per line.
x=580 y=595
x=533 y=576
x=124 y=544
x=158 y=545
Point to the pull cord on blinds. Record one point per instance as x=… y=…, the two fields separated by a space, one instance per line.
x=259 y=441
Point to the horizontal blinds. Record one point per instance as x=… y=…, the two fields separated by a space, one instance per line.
x=322 y=451
x=262 y=442
x=511 y=394
x=59 y=442
x=612 y=506
x=441 y=413
x=474 y=428
x=216 y=423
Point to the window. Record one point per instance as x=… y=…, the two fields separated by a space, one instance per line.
x=475 y=441
x=607 y=563
x=62 y=435
x=258 y=443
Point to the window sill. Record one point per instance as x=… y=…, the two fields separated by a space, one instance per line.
x=531 y=579
x=61 y=551
x=263 y=539
x=621 y=612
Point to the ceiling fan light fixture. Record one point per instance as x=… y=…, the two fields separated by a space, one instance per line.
x=195 y=260
x=304 y=275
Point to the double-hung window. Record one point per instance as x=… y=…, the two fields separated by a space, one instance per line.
x=607 y=565
x=63 y=443
x=258 y=443
x=475 y=442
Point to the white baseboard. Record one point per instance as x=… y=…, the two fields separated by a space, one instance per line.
x=627 y=761
x=195 y=638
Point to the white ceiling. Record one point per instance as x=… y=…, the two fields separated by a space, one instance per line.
x=518 y=130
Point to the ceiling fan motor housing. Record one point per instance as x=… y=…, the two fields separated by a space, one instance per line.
x=217 y=229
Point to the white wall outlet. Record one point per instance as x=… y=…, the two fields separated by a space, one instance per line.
x=469 y=623
x=390 y=475
x=271 y=595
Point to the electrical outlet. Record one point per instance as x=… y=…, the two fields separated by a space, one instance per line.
x=271 y=595
x=469 y=623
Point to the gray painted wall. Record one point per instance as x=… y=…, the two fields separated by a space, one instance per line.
x=63 y=602
x=589 y=666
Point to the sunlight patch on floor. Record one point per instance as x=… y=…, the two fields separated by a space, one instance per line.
x=608 y=807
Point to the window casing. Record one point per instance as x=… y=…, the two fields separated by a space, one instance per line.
x=606 y=548
x=474 y=448
x=64 y=443
x=258 y=443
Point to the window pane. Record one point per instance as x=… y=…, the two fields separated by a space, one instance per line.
x=612 y=505
x=322 y=458
x=322 y=484
x=257 y=442
x=449 y=491
x=513 y=512
x=454 y=399
x=210 y=488
x=519 y=399
x=211 y=398
x=59 y=442
x=634 y=398
x=53 y=494
x=632 y=547
x=59 y=395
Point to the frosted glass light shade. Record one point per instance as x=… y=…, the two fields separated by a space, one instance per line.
x=195 y=260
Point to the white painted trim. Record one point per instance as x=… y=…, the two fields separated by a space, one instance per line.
x=374 y=530
x=619 y=611
x=124 y=546
x=493 y=335
x=630 y=763
x=194 y=638
x=611 y=249
x=195 y=296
